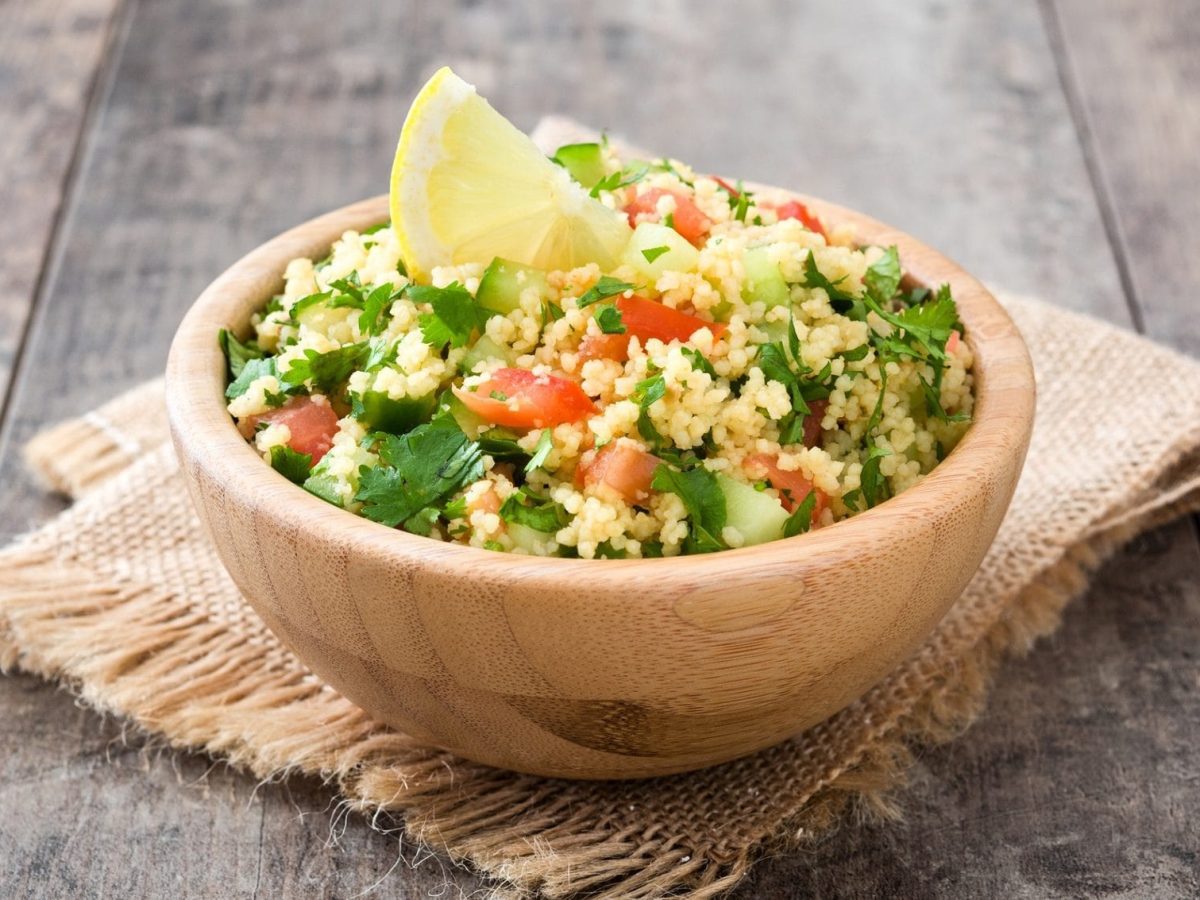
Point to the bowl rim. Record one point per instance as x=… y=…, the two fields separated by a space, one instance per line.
x=206 y=437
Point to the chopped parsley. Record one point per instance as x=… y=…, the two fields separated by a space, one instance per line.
x=523 y=507
x=455 y=314
x=419 y=471
x=801 y=518
x=236 y=353
x=293 y=466
x=874 y=484
x=606 y=287
x=645 y=394
x=373 y=319
x=699 y=362
x=327 y=371
x=705 y=503
x=608 y=317
x=544 y=445
x=252 y=370
x=841 y=301
x=620 y=179
x=653 y=253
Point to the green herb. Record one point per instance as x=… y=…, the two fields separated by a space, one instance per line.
x=501 y=443
x=352 y=290
x=606 y=287
x=455 y=509
x=646 y=393
x=380 y=352
x=373 y=321
x=665 y=165
x=933 y=404
x=454 y=318
x=608 y=317
x=605 y=550
x=852 y=499
x=252 y=370
x=929 y=323
x=699 y=362
x=883 y=276
x=652 y=549
x=539 y=513
x=493 y=545
x=742 y=206
x=621 y=179
x=841 y=301
x=669 y=221
x=877 y=412
x=653 y=253
x=705 y=503
x=305 y=302
x=874 y=485
x=419 y=470
x=422 y=522
x=293 y=466
x=236 y=353
x=498 y=395
x=857 y=353
x=801 y=518
x=326 y=371
x=544 y=445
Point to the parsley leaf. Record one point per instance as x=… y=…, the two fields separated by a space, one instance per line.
x=252 y=370
x=326 y=371
x=841 y=301
x=705 y=503
x=351 y=288
x=653 y=253
x=699 y=362
x=933 y=403
x=373 y=321
x=305 y=302
x=544 y=445
x=623 y=178
x=874 y=485
x=236 y=353
x=647 y=393
x=883 y=276
x=455 y=314
x=418 y=470
x=422 y=521
x=606 y=287
x=608 y=317
x=801 y=518
x=929 y=323
x=539 y=513
x=290 y=464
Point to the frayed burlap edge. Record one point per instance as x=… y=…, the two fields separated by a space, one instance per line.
x=175 y=674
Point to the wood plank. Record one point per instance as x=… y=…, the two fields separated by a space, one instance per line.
x=228 y=122
x=1132 y=70
x=50 y=54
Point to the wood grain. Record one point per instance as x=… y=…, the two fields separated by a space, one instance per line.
x=965 y=93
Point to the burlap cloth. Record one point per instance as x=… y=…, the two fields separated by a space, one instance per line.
x=123 y=598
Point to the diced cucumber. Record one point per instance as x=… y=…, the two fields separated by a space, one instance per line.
x=756 y=515
x=585 y=162
x=764 y=282
x=776 y=331
x=503 y=282
x=526 y=538
x=645 y=253
x=325 y=487
x=484 y=349
x=379 y=412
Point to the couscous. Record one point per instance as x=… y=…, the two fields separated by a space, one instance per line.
x=744 y=374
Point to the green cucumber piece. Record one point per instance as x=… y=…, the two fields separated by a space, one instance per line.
x=325 y=487
x=379 y=412
x=756 y=515
x=645 y=251
x=584 y=162
x=764 y=282
x=526 y=538
x=484 y=349
x=321 y=318
x=502 y=283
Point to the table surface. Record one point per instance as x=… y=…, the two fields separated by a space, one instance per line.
x=145 y=145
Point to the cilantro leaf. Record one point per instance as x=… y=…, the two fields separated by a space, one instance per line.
x=608 y=317
x=801 y=518
x=704 y=500
x=544 y=445
x=352 y=288
x=623 y=178
x=305 y=302
x=252 y=370
x=647 y=393
x=841 y=301
x=929 y=323
x=856 y=353
x=236 y=353
x=653 y=253
x=455 y=314
x=380 y=352
x=326 y=371
x=418 y=470
x=539 y=513
x=293 y=466
x=606 y=287
x=933 y=403
x=883 y=276
x=422 y=521
x=699 y=362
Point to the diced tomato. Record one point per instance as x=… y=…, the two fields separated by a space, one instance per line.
x=812 y=422
x=312 y=423
x=488 y=501
x=793 y=487
x=688 y=221
x=623 y=466
x=649 y=319
x=605 y=346
x=530 y=401
x=794 y=209
x=953 y=341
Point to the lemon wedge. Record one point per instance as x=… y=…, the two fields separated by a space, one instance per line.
x=468 y=186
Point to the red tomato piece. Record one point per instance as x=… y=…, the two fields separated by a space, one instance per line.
x=605 y=346
x=793 y=487
x=689 y=222
x=530 y=401
x=649 y=319
x=953 y=341
x=794 y=209
x=623 y=466
x=312 y=424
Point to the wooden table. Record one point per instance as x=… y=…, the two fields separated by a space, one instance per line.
x=1051 y=148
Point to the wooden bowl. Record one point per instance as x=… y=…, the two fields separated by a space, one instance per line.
x=596 y=668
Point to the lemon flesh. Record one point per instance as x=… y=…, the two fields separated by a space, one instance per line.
x=468 y=186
